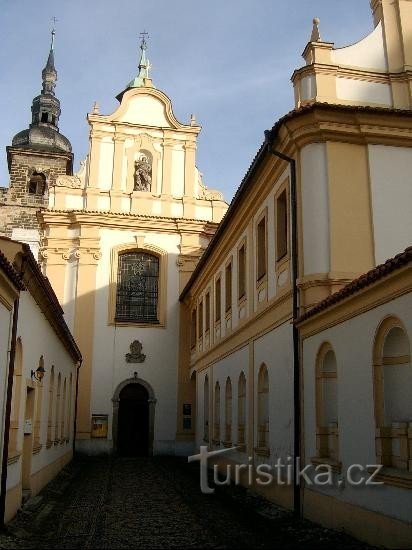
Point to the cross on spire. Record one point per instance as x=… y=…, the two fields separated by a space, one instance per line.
x=53 y=32
x=143 y=36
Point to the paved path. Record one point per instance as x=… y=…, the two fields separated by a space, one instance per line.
x=155 y=503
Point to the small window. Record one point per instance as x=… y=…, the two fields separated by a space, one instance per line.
x=207 y=325
x=281 y=225
x=201 y=319
x=261 y=249
x=44 y=117
x=228 y=287
x=53 y=120
x=218 y=291
x=37 y=184
x=241 y=271
x=137 y=288
x=193 y=335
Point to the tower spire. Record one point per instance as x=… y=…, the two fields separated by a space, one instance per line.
x=143 y=78
x=49 y=73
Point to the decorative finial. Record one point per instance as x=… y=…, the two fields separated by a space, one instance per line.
x=193 y=121
x=315 y=37
x=96 y=109
x=53 y=33
x=143 y=44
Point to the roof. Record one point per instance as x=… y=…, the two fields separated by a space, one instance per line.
x=11 y=273
x=53 y=312
x=364 y=281
x=247 y=179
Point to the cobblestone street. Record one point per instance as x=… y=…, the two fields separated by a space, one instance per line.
x=154 y=503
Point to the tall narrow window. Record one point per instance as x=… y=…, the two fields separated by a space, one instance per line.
x=241 y=271
x=327 y=404
x=69 y=412
x=16 y=399
x=58 y=409
x=207 y=323
x=218 y=297
x=216 y=413
x=137 y=288
x=263 y=408
x=206 y=409
x=241 y=410
x=39 y=407
x=228 y=413
x=393 y=390
x=261 y=249
x=201 y=319
x=193 y=331
x=64 y=412
x=281 y=210
x=228 y=287
x=50 y=426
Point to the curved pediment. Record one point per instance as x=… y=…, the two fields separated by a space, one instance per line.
x=146 y=107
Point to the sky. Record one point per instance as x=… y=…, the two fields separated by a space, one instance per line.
x=228 y=62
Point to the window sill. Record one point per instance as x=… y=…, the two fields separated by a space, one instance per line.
x=327 y=461
x=157 y=324
x=227 y=444
x=13 y=457
x=36 y=449
x=262 y=451
x=283 y=260
x=393 y=476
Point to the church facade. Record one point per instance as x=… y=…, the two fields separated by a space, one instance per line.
x=279 y=328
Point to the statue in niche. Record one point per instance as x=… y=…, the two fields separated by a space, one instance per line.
x=135 y=355
x=142 y=174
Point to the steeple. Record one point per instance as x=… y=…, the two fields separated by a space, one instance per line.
x=43 y=131
x=142 y=79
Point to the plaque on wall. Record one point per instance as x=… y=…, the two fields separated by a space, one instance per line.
x=99 y=425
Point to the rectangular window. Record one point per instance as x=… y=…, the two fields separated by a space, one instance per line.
x=218 y=291
x=261 y=248
x=207 y=324
x=193 y=335
x=241 y=271
x=228 y=287
x=281 y=210
x=201 y=319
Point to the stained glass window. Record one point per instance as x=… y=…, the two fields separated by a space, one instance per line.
x=137 y=287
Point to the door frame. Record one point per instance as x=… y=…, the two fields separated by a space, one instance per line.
x=152 y=405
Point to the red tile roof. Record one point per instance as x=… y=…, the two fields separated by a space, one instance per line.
x=11 y=273
x=372 y=276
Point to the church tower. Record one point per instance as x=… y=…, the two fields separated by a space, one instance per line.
x=37 y=156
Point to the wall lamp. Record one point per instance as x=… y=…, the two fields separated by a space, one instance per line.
x=38 y=373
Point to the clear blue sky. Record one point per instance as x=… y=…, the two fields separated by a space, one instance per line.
x=229 y=62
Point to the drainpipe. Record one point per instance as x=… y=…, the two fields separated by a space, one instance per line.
x=79 y=364
x=295 y=331
x=8 y=412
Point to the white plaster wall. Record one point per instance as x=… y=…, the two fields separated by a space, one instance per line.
x=38 y=338
x=159 y=344
x=369 y=53
x=70 y=286
x=362 y=91
x=6 y=318
x=391 y=189
x=352 y=342
x=145 y=109
x=274 y=349
x=315 y=208
x=105 y=177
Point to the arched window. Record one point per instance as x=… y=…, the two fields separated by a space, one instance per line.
x=241 y=410
x=393 y=390
x=327 y=404
x=216 y=413
x=16 y=399
x=39 y=407
x=263 y=408
x=58 y=409
x=64 y=412
x=137 y=287
x=228 y=413
x=36 y=184
x=206 y=409
x=50 y=426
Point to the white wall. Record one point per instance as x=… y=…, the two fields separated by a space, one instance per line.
x=352 y=342
x=391 y=189
x=6 y=319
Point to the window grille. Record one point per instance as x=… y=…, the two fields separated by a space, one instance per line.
x=137 y=288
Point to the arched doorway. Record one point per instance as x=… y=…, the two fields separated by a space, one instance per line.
x=133 y=418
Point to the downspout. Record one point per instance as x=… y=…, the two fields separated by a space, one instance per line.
x=8 y=413
x=79 y=364
x=295 y=330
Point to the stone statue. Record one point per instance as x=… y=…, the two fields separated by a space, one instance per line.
x=135 y=355
x=142 y=175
